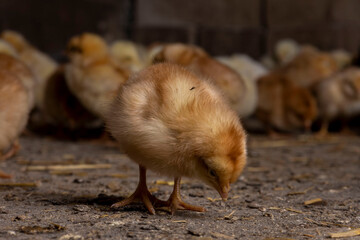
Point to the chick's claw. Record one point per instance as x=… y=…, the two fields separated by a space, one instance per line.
x=174 y=202
x=141 y=194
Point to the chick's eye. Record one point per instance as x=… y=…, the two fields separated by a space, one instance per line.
x=212 y=173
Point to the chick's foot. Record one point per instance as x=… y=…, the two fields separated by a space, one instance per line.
x=141 y=194
x=11 y=152
x=4 y=175
x=174 y=202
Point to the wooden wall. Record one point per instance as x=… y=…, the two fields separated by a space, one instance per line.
x=220 y=26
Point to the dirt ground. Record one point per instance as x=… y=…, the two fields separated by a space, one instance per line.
x=267 y=202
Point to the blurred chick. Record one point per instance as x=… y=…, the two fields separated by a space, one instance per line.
x=309 y=67
x=339 y=96
x=39 y=63
x=227 y=80
x=283 y=106
x=250 y=71
x=62 y=108
x=91 y=74
x=6 y=48
x=171 y=121
x=286 y=50
x=128 y=55
x=244 y=65
x=342 y=58
x=22 y=72
x=14 y=111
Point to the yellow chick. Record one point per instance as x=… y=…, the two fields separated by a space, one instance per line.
x=197 y=60
x=173 y=122
x=309 y=67
x=129 y=55
x=283 y=106
x=22 y=72
x=339 y=97
x=91 y=74
x=14 y=111
x=39 y=63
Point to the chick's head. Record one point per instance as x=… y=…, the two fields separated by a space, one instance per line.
x=179 y=53
x=15 y=39
x=86 y=49
x=300 y=108
x=351 y=83
x=223 y=160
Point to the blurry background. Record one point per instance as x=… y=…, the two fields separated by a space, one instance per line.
x=221 y=27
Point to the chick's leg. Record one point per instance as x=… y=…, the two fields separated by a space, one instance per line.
x=4 y=175
x=175 y=201
x=11 y=152
x=141 y=194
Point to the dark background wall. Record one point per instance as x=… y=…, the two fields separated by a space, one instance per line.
x=220 y=26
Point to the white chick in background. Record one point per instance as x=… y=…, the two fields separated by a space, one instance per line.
x=91 y=75
x=14 y=111
x=231 y=84
x=342 y=58
x=339 y=97
x=22 y=72
x=286 y=50
x=39 y=63
x=128 y=55
x=169 y=120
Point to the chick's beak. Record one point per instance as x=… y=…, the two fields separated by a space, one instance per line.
x=223 y=191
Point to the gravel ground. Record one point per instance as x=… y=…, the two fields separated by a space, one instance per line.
x=267 y=202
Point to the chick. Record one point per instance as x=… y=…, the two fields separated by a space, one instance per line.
x=14 y=111
x=6 y=48
x=283 y=106
x=173 y=122
x=39 y=63
x=309 y=67
x=286 y=50
x=62 y=108
x=342 y=58
x=91 y=74
x=250 y=71
x=197 y=60
x=22 y=72
x=339 y=96
x=129 y=55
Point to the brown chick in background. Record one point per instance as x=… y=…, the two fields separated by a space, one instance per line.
x=283 y=106
x=39 y=63
x=338 y=97
x=91 y=74
x=175 y=123
x=22 y=72
x=62 y=108
x=14 y=111
x=309 y=67
x=197 y=60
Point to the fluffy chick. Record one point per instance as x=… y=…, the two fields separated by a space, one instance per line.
x=91 y=74
x=197 y=60
x=283 y=106
x=129 y=55
x=14 y=111
x=309 y=67
x=250 y=71
x=39 y=63
x=339 y=96
x=171 y=121
x=22 y=72
x=6 y=48
x=286 y=50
